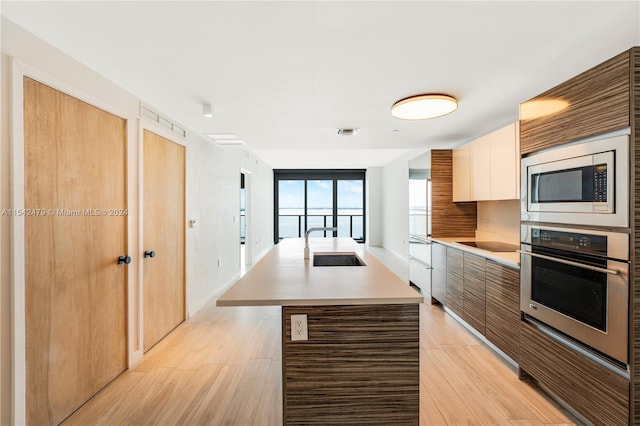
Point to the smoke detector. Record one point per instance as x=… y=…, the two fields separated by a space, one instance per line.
x=348 y=132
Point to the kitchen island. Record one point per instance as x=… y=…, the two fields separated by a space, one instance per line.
x=361 y=362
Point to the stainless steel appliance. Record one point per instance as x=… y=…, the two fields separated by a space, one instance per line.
x=577 y=282
x=585 y=182
x=420 y=221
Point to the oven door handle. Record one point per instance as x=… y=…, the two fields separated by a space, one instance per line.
x=568 y=262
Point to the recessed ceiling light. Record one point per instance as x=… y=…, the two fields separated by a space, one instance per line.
x=225 y=139
x=421 y=107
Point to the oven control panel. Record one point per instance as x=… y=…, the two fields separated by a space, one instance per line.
x=572 y=241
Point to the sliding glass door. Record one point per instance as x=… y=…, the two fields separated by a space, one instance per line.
x=319 y=198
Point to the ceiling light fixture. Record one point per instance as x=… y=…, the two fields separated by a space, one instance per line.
x=207 y=110
x=225 y=139
x=421 y=107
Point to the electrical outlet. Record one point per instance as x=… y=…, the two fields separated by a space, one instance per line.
x=299 y=327
x=219 y=262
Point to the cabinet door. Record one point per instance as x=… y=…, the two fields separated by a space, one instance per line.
x=439 y=273
x=420 y=275
x=505 y=164
x=455 y=294
x=462 y=174
x=474 y=291
x=481 y=168
x=595 y=101
x=503 y=308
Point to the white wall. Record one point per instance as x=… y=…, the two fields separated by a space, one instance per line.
x=212 y=192
x=213 y=175
x=374 y=206
x=395 y=204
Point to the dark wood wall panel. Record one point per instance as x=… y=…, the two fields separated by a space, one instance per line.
x=503 y=308
x=455 y=287
x=598 y=394
x=635 y=248
x=360 y=366
x=448 y=219
x=598 y=101
x=474 y=305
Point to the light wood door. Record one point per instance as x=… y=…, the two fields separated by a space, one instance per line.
x=75 y=290
x=164 y=229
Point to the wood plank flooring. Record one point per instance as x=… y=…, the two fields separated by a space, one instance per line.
x=223 y=367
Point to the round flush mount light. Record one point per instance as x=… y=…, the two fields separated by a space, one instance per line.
x=421 y=107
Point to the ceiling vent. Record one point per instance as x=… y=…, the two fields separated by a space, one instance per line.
x=164 y=122
x=348 y=132
x=225 y=139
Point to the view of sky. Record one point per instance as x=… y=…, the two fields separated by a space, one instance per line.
x=319 y=194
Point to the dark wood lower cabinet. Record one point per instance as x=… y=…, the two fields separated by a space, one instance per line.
x=455 y=276
x=595 y=392
x=439 y=273
x=360 y=366
x=474 y=305
x=503 y=308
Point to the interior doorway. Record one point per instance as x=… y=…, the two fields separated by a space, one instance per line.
x=245 y=221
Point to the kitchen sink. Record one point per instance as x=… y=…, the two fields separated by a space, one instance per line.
x=337 y=259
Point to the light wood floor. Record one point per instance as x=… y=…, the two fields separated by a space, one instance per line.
x=222 y=367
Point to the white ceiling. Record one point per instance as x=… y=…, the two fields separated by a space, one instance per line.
x=283 y=76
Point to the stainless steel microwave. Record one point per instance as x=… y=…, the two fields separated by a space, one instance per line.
x=585 y=183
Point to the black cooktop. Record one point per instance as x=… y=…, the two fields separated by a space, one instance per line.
x=490 y=245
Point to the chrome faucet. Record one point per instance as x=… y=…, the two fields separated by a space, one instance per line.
x=306 y=238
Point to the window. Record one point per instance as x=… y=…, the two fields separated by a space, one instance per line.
x=319 y=198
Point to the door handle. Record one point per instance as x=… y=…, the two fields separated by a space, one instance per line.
x=124 y=259
x=149 y=253
x=568 y=262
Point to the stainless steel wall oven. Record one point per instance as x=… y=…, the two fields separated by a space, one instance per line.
x=577 y=282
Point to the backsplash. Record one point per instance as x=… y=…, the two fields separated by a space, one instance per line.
x=499 y=220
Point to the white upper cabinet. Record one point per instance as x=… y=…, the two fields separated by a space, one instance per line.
x=481 y=168
x=488 y=168
x=462 y=174
x=505 y=163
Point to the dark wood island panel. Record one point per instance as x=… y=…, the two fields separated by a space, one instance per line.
x=360 y=366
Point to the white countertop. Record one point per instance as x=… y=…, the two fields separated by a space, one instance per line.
x=510 y=259
x=284 y=278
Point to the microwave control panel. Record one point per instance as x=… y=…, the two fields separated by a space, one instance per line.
x=600 y=183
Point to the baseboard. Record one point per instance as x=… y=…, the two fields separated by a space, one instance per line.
x=214 y=295
x=483 y=339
